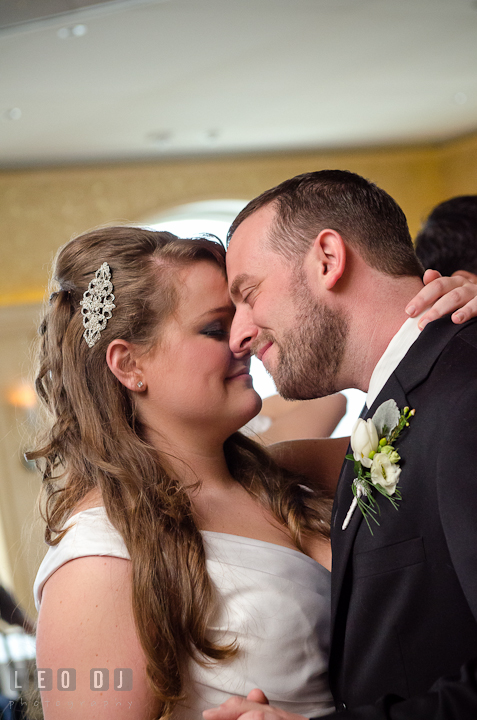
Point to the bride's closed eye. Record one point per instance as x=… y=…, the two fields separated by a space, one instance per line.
x=216 y=330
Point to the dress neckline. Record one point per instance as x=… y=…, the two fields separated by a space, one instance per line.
x=230 y=537
x=244 y=540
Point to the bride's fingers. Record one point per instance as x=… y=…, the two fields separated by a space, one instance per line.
x=452 y=294
x=258 y=696
x=467 y=312
x=259 y=715
x=239 y=707
x=432 y=292
x=449 y=294
x=431 y=275
x=231 y=709
x=462 y=302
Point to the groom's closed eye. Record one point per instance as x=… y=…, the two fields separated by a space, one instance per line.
x=247 y=294
x=237 y=287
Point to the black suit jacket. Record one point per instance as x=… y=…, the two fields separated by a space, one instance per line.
x=404 y=600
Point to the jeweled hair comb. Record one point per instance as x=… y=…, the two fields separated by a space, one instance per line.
x=97 y=304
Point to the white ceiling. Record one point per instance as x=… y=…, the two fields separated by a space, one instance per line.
x=154 y=78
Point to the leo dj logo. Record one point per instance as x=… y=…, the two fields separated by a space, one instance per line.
x=66 y=679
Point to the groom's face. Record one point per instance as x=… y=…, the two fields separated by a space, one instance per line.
x=299 y=339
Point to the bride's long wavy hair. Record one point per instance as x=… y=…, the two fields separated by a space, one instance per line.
x=94 y=440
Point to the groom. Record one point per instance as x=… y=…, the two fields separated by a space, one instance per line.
x=321 y=269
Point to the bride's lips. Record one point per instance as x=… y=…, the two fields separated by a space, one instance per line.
x=242 y=372
x=263 y=350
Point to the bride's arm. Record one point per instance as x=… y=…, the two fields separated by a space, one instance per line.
x=318 y=460
x=86 y=623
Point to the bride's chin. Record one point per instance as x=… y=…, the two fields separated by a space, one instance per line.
x=253 y=409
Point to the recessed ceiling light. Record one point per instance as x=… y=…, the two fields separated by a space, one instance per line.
x=13 y=114
x=212 y=135
x=163 y=137
x=79 y=30
x=76 y=31
x=460 y=98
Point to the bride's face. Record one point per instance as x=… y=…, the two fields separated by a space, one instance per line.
x=192 y=376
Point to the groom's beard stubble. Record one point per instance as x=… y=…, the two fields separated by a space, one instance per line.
x=310 y=355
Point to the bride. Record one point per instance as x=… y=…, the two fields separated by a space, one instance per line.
x=185 y=565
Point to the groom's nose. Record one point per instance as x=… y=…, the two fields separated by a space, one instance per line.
x=243 y=331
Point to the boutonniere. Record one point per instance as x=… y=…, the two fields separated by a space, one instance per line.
x=376 y=460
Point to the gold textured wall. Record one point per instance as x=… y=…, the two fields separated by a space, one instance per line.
x=40 y=209
x=459 y=167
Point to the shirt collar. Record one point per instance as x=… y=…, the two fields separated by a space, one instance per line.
x=392 y=356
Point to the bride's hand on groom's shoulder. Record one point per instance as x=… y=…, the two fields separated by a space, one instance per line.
x=444 y=295
x=254 y=707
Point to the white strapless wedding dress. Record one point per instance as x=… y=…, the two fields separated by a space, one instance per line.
x=274 y=600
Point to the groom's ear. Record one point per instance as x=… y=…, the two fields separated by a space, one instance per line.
x=328 y=258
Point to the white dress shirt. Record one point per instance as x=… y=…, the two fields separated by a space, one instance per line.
x=392 y=356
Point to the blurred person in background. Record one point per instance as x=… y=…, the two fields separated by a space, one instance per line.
x=12 y=613
x=447 y=242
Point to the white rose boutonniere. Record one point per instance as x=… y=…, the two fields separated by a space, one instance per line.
x=364 y=441
x=376 y=459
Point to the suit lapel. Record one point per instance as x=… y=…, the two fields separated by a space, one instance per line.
x=422 y=355
x=343 y=540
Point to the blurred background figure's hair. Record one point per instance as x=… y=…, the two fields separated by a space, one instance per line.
x=448 y=240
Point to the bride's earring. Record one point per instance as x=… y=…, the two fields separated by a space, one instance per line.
x=140 y=384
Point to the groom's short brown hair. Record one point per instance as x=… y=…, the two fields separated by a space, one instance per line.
x=365 y=216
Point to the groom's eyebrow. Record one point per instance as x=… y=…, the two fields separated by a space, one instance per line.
x=239 y=280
